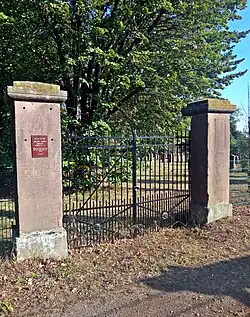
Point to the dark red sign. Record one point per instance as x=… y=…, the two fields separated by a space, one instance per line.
x=39 y=146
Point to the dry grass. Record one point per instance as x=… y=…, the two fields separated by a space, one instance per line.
x=239 y=190
x=37 y=288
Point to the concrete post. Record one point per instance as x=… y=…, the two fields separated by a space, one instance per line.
x=38 y=170
x=210 y=155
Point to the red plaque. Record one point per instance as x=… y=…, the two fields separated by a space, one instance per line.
x=39 y=146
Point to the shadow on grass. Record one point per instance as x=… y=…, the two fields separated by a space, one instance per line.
x=227 y=278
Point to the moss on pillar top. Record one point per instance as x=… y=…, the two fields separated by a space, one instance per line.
x=36 y=92
x=36 y=88
x=209 y=106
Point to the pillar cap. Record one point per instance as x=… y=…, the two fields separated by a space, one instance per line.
x=209 y=106
x=36 y=92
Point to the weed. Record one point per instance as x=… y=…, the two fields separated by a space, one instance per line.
x=5 y=307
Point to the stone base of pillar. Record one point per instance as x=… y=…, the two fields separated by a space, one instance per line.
x=42 y=244
x=204 y=215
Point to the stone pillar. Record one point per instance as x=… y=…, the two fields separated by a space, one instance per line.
x=210 y=155
x=38 y=169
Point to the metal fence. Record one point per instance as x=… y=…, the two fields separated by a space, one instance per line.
x=7 y=211
x=122 y=186
x=239 y=182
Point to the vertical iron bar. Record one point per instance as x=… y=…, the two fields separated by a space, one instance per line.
x=134 y=176
x=71 y=172
x=114 y=203
x=141 y=211
x=177 y=176
x=103 y=169
x=145 y=145
x=172 y=176
x=100 y=220
x=155 y=168
x=109 y=164
x=85 y=211
x=189 y=169
x=81 y=230
x=115 y=169
x=160 y=142
x=181 y=174
x=187 y=174
x=121 y=172
x=150 y=174
x=168 y=167
x=78 y=155
x=96 y=175
x=128 y=175
x=164 y=175
x=112 y=221
x=91 y=232
x=104 y=215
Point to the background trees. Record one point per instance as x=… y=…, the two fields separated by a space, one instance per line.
x=239 y=139
x=122 y=61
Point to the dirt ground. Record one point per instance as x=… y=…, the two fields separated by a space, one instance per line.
x=171 y=272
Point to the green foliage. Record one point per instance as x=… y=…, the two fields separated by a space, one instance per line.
x=90 y=155
x=245 y=165
x=5 y=135
x=239 y=139
x=145 y=59
x=125 y=64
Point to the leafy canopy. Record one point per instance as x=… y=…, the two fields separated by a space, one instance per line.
x=133 y=61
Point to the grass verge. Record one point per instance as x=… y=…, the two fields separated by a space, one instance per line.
x=42 y=288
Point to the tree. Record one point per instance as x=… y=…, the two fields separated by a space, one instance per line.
x=239 y=139
x=142 y=58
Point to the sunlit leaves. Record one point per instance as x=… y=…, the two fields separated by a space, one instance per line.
x=145 y=58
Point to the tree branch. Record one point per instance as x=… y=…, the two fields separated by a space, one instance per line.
x=124 y=99
x=137 y=41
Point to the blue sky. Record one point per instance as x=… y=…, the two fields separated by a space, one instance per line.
x=237 y=91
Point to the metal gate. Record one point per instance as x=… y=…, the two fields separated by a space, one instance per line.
x=121 y=186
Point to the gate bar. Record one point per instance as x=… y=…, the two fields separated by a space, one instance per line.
x=134 y=175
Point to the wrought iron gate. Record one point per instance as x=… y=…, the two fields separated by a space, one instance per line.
x=119 y=186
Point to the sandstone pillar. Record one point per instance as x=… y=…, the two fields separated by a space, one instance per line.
x=210 y=155
x=38 y=169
